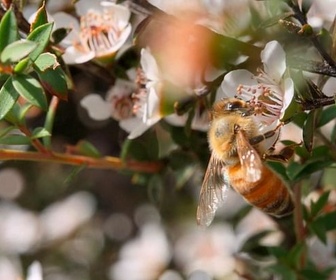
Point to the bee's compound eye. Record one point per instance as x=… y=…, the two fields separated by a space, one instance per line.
x=231 y=106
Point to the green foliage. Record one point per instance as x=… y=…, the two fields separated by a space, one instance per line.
x=164 y=163
x=8 y=30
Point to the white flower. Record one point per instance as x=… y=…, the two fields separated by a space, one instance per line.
x=269 y=92
x=321 y=12
x=118 y=103
x=144 y=257
x=34 y=271
x=103 y=29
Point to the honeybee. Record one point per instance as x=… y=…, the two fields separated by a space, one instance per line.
x=237 y=161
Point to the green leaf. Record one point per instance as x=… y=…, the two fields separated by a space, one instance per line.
x=22 y=65
x=15 y=139
x=315 y=274
x=252 y=244
x=17 y=50
x=40 y=132
x=293 y=170
x=327 y=115
x=86 y=148
x=41 y=17
x=31 y=90
x=8 y=29
x=279 y=168
x=296 y=171
x=6 y=130
x=308 y=130
x=319 y=229
x=46 y=61
x=143 y=148
x=59 y=34
x=54 y=80
x=40 y=35
x=317 y=206
x=329 y=221
x=8 y=97
x=283 y=271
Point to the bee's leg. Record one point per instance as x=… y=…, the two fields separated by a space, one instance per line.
x=284 y=155
x=259 y=138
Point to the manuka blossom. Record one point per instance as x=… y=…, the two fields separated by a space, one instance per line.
x=103 y=29
x=269 y=93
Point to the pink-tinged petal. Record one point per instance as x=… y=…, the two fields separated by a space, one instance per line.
x=138 y=130
x=274 y=59
x=289 y=94
x=153 y=110
x=121 y=13
x=149 y=65
x=176 y=120
x=63 y=20
x=83 y=6
x=235 y=78
x=97 y=108
x=73 y=56
x=122 y=39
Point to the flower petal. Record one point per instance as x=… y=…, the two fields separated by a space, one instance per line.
x=149 y=65
x=97 y=108
x=121 y=40
x=63 y=20
x=34 y=271
x=73 y=56
x=83 y=6
x=138 y=127
x=235 y=78
x=121 y=13
x=289 y=94
x=274 y=59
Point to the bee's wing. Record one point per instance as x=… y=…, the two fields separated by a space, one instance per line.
x=249 y=158
x=213 y=191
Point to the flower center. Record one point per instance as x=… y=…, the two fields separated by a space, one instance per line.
x=98 y=32
x=266 y=98
x=122 y=107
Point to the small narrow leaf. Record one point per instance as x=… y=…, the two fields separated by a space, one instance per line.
x=41 y=17
x=41 y=36
x=8 y=97
x=319 y=229
x=317 y=206
x=87 y=149
x=31 y=90
x=308 y=130
x=40 y=132
x=327 y=115
x=8 y=29
x=16 y=51
x=15 y=139
x=22 y=65
x=54 y=81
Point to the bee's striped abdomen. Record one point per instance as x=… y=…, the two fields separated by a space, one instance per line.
x=269 y=193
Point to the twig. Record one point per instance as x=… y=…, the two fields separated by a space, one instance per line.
x=79 y=160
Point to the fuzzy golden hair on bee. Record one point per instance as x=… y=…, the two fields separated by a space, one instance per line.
x=237 y=163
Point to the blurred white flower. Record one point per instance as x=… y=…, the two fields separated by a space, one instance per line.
x=34 y=271
x=207 y=250
x=321 y=13
x=269 y=93
x=61 y=218
x=143 y=258
x=20 y=229
x=103 y=29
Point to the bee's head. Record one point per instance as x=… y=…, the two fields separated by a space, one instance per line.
x=231 y=105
